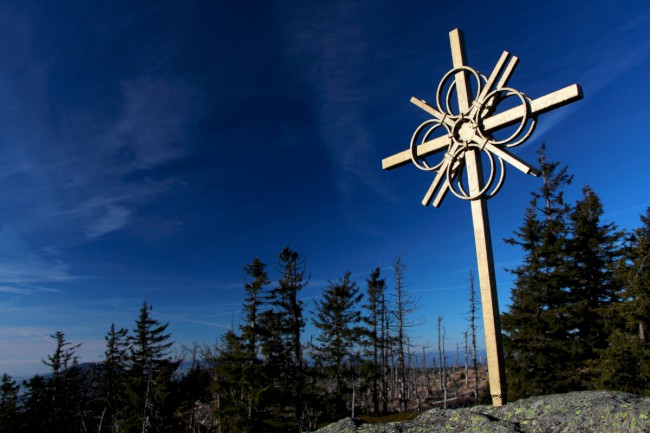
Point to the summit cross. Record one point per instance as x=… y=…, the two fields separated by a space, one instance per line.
x=465 y=131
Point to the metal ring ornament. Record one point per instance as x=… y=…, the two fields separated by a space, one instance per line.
x=458 y=161
x=461 y=140
x=461 y=193
x=414 y=158
x=455 y=168
x=502 y=178
x=452 y=86
x=514 y=139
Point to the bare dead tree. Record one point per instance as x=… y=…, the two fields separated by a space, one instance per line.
x=473 y=312
x=440 y=353
x=442 y=358
x=444 y=366
x=385 y=338
x=399 y=315
x=465 y=349
x=425 y=372
x=404 y=306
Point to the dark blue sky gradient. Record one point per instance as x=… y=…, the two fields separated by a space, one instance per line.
x=150 y=151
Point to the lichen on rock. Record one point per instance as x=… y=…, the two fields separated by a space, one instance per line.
x=575 y=412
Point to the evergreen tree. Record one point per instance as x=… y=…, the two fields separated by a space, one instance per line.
x=150 y=374
x=253 y=374
x=252 y=304
x=625 y=363
x=284 y=325
x=592 y=254
x=194 y=395
x=113 y=379
x=228 y=384
x=9 y=414
x=337 y=318
x=276 y=368
x=538 y=352
x=36 y=405
x=288 y=306
x=634 y=274
x=64 y=391
x=63 y=357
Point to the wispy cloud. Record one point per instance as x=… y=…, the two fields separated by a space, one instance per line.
x=611 y=60
x=21 y=264
x=336 y=48
x=12 y=332
x=16 y=290
x=78 y=179
x=152 y=126
x=209 y=323
x=439 y=289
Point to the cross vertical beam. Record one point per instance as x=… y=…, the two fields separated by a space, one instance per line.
x=482 y=237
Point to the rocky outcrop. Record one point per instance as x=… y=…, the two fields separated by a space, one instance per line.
x=576 y=412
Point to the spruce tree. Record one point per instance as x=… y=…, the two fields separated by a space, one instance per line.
x=592 y=255
x=625 y=363
x=337 y=318
x=229 y=384
x=276 y=368
x=634 y=274
x=64 y=392
x=36 y=405
x=286 y=302
x=150 y=373
x=194 y=394
x=9 y=413
x=63 y=357
x=284 y=326
x=253 y=374
x=537 y=343
x=255 y=289
x=113 y=379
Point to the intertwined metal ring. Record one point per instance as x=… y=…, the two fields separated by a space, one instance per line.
x=467 y=130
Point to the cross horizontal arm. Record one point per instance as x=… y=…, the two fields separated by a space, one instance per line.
x=425 y=149
x=537 y=106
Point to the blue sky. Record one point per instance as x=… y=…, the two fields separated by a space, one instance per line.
x=149 y=150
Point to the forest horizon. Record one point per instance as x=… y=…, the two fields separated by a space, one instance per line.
x=579 y=315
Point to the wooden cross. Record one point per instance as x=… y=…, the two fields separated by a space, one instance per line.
x=468 y=137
